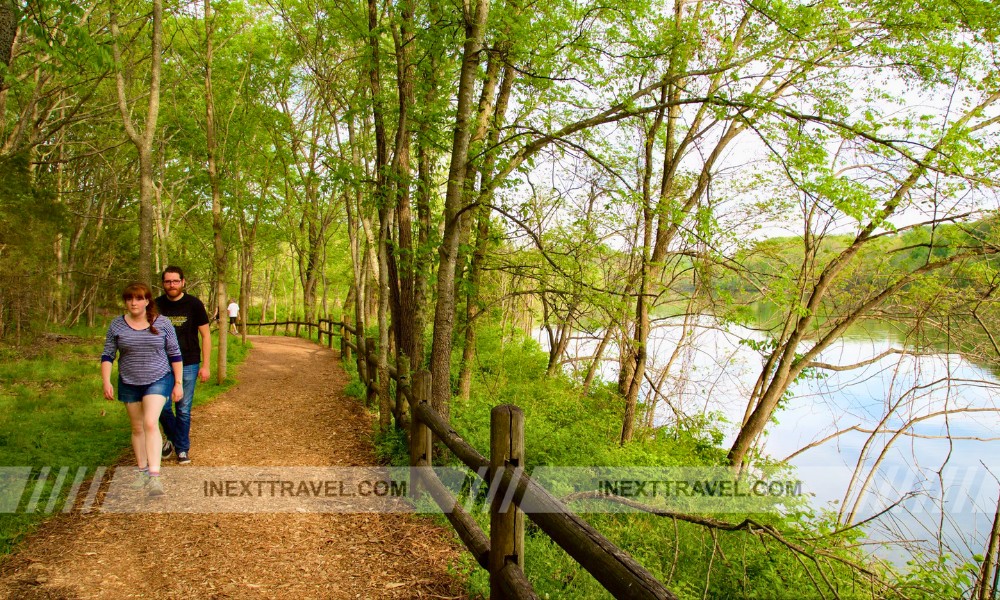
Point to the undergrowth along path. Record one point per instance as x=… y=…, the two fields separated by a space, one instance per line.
x=288 y=409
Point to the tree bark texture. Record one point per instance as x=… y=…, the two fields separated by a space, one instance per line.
x=444 y=314
x=8 y=31
x=143 y=141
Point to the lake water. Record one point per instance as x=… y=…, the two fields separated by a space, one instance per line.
x=950 y=485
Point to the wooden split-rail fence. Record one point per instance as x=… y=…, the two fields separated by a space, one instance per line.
x=501 y=552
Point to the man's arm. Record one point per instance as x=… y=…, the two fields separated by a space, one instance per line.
x=206 y=351
x=178 y=368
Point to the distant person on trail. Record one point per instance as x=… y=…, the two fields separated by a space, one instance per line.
x=149 y=372
x=188 y=316
x=234 y=313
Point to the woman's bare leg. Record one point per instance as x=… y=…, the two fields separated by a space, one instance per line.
x=135 y=417
x=153 y=441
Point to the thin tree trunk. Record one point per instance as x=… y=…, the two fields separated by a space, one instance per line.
x=444 y=314
x=143 y=141
x=357 y=258
x=471 y=305
x=58 y=301
x=384 y=212
x=402 y=263
x=491 y=115
x=595 y=364
x=266 y=286
x=990 y=569
x=219 y=258
x=246 y=278
x=642 y=325
x=422 y=256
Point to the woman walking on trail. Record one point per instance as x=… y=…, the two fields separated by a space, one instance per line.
x=149 y=371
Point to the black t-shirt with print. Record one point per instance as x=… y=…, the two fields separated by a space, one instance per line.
x=186 y=315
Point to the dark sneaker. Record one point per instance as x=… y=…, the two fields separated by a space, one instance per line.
x=168 y=449
x=183 y=458
x=155 y=486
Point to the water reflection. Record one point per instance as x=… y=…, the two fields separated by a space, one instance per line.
x=921 y=428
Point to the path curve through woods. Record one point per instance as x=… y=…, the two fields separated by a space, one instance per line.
x=288 y=409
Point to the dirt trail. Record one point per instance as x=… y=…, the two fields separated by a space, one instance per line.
x=289 y=409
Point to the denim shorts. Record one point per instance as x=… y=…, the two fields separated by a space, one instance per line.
x=129 y=393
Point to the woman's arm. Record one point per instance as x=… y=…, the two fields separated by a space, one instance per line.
x=108 y=357
x=109 y=390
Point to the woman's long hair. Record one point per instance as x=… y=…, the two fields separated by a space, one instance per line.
x=142 y=291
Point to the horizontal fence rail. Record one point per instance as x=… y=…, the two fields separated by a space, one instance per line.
x=502 y=552
x=513 y=494
x=331 y=329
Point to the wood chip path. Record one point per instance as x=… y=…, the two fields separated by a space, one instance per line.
x=289 y=409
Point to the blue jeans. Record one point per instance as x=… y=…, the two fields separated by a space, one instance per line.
x=178 y=427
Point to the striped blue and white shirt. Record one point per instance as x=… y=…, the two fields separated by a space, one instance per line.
x=143 y=356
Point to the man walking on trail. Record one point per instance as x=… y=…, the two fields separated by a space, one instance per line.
x=234 y=312
x=190 y=320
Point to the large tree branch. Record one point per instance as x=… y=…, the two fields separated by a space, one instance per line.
x=901 y=430
x=749 y=525
x=865 y=363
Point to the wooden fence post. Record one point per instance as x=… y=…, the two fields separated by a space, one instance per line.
x=345 y=348
x=506 y=519
x=420 y=434
x=360 y=359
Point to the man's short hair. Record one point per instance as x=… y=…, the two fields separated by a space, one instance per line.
x=172 y=269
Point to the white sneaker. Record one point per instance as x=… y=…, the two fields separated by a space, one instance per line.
x=183 y=458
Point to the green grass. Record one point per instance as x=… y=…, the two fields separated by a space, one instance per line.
x=565 y=427
x=53 y=414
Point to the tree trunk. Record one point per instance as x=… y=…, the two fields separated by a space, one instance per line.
x=989 y=571
x=645 y=276
x=246 y=276
x=403 y=263
x=143 y=141
x=8 y=31
x=357 y=257
x=595 y=364
x=641 y=340
x=422 y=255
x=471 y=304
x=219 y=258
x=491 y=115
x=444 y=314
x=384 y=215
